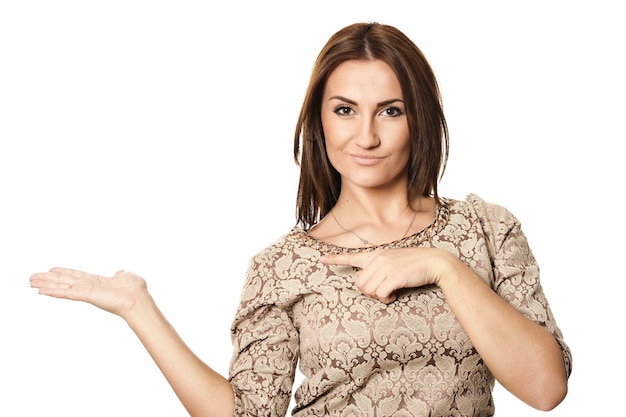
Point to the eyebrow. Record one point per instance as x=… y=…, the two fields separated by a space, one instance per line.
x=354 y=103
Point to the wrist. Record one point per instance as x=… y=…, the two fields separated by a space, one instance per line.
x=141 y=309
x=449 y=270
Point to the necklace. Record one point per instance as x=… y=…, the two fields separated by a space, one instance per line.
x=365 y=241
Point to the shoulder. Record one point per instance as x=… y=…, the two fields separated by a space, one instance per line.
x=488 y=211
x=497 y=222
x=475 y=207
x=280 y=272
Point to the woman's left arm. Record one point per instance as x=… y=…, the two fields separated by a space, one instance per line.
x=521 y=354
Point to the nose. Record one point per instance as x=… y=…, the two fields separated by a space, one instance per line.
x=367 y=136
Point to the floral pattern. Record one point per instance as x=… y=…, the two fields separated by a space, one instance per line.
x=361 y=357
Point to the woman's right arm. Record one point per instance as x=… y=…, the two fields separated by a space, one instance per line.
x=202 y=391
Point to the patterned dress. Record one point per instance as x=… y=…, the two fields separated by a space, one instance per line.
x=361 y=357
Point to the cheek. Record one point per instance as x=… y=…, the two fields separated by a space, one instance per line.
x=334 y=136
x=332 y=152
x=400 y=137
x=330 y=129
x=334 y=149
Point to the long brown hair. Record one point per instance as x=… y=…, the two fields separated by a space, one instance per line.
x=320 y=183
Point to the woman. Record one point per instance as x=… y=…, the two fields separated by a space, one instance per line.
x=395 y=301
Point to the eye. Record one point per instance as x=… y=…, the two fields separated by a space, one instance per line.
x=343 y=110
x=392 y=112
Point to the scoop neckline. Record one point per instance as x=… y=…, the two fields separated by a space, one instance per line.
x=442 y=211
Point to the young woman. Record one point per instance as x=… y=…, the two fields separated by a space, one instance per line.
x=394 y=300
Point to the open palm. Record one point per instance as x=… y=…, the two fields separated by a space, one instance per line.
x=116 y=294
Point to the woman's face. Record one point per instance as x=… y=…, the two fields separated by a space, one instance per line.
x=365 y=124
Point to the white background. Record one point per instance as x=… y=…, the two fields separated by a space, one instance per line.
x=156 y=136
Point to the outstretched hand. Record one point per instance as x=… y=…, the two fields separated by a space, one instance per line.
x=116 y=294
x=384 y=271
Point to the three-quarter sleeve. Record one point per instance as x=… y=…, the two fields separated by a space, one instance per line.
x=265 y=346
x=515 y=269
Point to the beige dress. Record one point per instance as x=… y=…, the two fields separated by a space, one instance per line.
x=361 y=357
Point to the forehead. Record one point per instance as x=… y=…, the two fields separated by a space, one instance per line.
x=363 y=78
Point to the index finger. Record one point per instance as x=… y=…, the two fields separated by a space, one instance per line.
x=359 y=260
x=54 y=274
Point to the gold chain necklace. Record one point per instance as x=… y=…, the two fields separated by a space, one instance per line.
x=365 y=241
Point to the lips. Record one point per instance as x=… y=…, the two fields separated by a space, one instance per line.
x=367 y=160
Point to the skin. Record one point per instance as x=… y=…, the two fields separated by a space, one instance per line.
x=367 y=140
x=365 y=126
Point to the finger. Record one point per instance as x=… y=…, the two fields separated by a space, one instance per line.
x=68 y=271
x=386 y=291
x=381 y=288
x=373 y=273
x=379 y=280
x=58 y=292
x=368 y=281
x=58 y=279
x=388 y=299
x=58 y=285
x=378 y=287
x=50 y=279
x=359 y=260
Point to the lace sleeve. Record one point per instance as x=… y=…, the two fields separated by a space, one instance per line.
x=516 y=272
x=265 y=348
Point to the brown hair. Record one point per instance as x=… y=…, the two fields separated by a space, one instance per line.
x=320 y=183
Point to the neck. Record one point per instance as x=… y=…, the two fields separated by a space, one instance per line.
x=368 y=219
x=376 y=207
